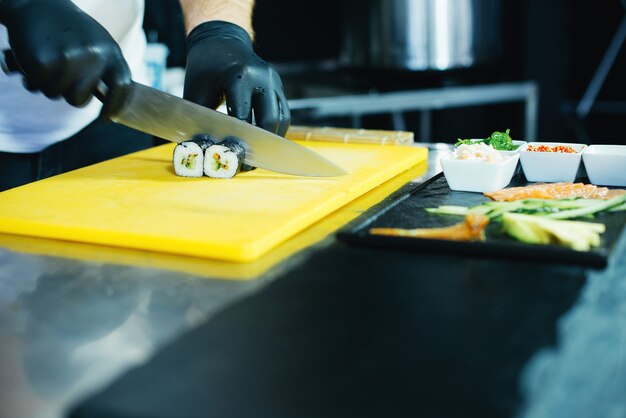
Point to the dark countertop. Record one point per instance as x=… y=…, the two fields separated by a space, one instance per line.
x=360 y=332
x=335 y=331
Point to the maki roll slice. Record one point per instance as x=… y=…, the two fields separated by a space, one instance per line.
x=203 y=155
x=189 y=156
x=225 y=159
x=188 y=159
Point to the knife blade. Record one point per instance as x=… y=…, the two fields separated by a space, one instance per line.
x=169 y=117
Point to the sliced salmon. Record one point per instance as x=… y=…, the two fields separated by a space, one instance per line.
x=554 y=191
x=472 y=228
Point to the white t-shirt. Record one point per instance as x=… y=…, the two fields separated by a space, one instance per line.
x=29 y=122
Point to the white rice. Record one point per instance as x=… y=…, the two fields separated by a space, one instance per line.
x=188 y=159
x=221 y=162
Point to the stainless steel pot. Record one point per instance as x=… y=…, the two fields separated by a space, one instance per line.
x=421 y=34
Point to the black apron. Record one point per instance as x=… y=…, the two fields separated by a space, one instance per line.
x=101 y=140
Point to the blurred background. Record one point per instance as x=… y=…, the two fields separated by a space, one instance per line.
x=444 y=69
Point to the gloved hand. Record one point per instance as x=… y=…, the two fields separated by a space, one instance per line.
x=222 y=63
x=61 y=50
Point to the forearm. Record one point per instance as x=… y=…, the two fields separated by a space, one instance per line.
x=238 y=12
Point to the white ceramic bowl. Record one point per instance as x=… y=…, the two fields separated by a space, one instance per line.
x=478 y=176
x=550 y=166
x=606 y=164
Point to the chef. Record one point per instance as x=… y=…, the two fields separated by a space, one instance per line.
x=66 y=48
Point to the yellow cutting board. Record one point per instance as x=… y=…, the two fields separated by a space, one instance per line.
x=136 y=201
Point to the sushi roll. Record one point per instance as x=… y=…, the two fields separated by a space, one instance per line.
x=247 y=167
x=225 y=159
x=189 y=156
x=204 y=140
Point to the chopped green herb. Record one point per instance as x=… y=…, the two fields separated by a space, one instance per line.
x=499 y=140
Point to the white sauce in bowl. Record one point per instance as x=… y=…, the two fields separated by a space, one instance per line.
x=477 y=152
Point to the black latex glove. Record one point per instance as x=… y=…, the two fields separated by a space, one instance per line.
x=61 y=50
x=222 y=63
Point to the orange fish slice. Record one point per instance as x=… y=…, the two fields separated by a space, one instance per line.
x=554 y=191
x=472 y=228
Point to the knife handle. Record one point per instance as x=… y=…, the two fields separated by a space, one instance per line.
x=9 y=65
x=350 y=136
x=101 y=91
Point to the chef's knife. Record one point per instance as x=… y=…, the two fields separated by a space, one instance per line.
x=170 y=117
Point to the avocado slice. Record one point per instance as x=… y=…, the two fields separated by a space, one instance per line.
x=581 y=236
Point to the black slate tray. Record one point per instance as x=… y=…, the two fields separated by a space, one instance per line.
x=407 y=211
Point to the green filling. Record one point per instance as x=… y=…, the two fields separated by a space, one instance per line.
x=217 y=164
x=189 y=161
